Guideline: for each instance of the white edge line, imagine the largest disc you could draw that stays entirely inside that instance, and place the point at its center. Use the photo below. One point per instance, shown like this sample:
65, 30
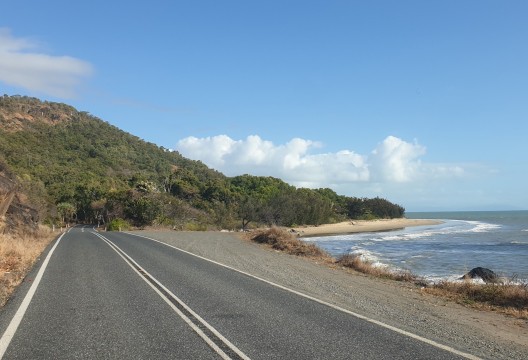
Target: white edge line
17, 319
127, 258
359, 316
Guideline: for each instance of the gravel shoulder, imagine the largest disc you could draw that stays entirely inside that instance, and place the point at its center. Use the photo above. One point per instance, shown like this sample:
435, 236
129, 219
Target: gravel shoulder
485, 334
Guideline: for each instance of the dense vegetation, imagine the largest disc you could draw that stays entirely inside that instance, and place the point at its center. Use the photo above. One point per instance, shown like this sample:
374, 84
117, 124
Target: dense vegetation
74, 167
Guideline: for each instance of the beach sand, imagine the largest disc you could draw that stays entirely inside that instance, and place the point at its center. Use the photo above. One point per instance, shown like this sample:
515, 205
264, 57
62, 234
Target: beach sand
357, 226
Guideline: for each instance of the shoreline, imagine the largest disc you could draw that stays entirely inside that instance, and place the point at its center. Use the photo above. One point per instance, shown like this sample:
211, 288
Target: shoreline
361, 226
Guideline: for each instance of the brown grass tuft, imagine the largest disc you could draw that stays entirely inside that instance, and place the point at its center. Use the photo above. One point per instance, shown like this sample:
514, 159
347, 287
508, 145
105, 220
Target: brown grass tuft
355, 262
18, 253
508, 298
282, 240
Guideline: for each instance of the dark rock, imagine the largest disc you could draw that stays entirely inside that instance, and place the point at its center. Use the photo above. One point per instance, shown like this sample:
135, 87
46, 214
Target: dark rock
486, 275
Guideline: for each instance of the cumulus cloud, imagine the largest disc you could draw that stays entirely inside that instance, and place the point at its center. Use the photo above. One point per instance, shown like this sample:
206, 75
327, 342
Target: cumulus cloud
395, 160
300, 162
22, 65
292, 161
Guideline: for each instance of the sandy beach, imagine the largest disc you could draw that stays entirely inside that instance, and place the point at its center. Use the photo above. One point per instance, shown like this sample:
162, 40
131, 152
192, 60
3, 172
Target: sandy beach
356, 226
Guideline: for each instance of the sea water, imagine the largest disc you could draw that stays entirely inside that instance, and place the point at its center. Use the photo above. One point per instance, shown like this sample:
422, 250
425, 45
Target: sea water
497, 240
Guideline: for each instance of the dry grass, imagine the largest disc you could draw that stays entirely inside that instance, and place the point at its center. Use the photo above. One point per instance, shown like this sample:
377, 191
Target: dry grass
355, 262
282, 240
508, 298
18, 253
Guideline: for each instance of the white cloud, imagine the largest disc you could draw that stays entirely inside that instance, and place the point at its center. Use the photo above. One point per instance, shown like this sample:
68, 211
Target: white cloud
261, 157
21, 65
394, 161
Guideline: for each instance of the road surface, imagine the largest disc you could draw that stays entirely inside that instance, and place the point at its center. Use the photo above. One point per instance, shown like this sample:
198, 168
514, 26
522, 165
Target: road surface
115, 295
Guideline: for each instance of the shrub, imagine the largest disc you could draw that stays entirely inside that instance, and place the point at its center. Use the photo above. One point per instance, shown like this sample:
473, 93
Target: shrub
118, 225
193, 226
282, 240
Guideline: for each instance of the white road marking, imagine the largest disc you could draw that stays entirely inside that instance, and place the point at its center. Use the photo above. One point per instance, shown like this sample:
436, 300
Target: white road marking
209, 342
15, 321
359, 316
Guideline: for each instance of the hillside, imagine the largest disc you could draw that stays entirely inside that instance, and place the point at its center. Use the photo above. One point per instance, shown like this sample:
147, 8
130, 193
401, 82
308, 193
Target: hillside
73, 167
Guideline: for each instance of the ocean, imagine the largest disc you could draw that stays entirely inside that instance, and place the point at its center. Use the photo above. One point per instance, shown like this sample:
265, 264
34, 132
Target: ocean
497, 240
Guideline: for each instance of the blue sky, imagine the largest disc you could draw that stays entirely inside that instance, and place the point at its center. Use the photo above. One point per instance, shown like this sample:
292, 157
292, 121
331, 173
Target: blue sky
424, 103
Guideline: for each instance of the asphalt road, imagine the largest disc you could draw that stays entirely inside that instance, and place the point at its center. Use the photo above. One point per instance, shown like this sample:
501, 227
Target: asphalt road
118, 296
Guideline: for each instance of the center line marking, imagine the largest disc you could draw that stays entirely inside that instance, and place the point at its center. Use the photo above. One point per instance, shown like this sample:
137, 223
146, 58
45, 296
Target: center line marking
199, 325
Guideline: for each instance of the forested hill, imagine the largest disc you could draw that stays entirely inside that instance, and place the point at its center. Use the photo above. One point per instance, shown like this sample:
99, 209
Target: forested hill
71, 166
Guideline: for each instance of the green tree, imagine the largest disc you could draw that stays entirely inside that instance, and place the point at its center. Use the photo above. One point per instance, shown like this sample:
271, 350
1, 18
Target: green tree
143, 209
248, 210
67, 212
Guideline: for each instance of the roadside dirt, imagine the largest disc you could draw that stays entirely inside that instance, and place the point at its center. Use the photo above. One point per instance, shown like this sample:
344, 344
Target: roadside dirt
485, 334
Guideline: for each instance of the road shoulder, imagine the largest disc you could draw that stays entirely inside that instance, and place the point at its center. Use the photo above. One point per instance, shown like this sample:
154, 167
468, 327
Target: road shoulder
486, 334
